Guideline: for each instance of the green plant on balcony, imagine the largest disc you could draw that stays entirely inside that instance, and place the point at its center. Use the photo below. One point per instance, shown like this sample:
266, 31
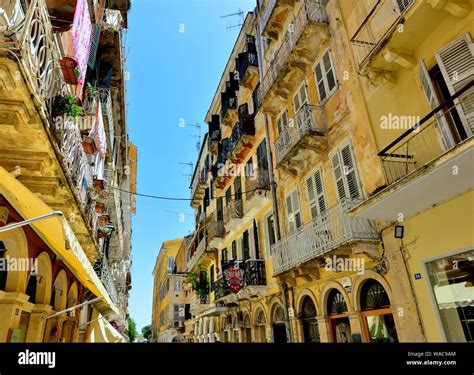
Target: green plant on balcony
66, 105
198, 286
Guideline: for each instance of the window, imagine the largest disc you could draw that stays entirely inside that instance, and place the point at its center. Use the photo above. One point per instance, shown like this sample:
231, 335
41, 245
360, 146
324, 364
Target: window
178, 285
256, 240
228, 196
179, 311
282, 121
316, 196
262, 160
220, 212
238, 188
345, 172
325, 76
245, 245
224, 256
301, 98
452, 280
170, 264
211, 275
293, 209
271, 231
234, 250
249, 172
255, 98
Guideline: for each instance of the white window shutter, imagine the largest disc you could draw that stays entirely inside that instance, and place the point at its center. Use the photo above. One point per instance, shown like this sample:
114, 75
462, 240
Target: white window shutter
338, 175
296, 208
456, 62
312, 201
320, 82
352, 182
320, 193
330, 71
289, 211
316, 194
446, 138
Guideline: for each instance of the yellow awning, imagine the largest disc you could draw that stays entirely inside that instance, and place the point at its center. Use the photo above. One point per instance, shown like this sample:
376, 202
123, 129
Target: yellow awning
101, 330
55, 232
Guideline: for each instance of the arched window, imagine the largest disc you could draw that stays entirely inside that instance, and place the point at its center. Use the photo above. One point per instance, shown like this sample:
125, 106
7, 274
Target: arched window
260, 321
278, 314
336, 303
373, 296
308, 319
308, 309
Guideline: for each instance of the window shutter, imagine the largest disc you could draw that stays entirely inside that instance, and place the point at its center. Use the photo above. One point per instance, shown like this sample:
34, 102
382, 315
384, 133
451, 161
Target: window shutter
320, 82
446, 138
338, 176
318, 181
289, 210
330, 73
296, 208
296, 102
313, 206
350, 172
456, 62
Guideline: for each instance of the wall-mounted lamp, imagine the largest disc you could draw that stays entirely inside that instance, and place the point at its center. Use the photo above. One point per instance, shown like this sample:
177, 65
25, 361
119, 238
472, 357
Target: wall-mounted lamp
399, 231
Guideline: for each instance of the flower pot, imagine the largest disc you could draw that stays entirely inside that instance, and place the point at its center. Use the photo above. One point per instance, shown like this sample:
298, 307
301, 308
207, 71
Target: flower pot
88, 144
99, 207
98, 185
69, 67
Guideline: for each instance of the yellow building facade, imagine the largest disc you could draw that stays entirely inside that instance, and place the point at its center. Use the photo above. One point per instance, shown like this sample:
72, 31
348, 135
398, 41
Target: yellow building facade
366, 112
62, 109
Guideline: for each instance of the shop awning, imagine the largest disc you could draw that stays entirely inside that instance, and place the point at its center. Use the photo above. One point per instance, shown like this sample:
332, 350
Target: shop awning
454, 295
101, 330
55, 232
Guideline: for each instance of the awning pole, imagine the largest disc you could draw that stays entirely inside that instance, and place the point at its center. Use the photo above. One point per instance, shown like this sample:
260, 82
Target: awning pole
73, 308
30, 221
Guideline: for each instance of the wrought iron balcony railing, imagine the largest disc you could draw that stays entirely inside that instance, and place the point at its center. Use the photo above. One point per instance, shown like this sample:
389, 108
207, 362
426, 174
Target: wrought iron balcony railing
200, 249
244, 61
308, 120
233, 210
215, 227
378, 27
426, 141
253, 275
310, 12
228, 102
30, 37
254, 185
324, 233
103, 270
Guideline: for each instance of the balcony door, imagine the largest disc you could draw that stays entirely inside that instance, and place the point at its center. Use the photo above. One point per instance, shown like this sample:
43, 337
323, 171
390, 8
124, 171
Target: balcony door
299, 101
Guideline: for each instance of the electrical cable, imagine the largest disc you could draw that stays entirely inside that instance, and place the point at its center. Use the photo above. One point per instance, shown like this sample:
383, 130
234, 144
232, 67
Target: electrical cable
184, 199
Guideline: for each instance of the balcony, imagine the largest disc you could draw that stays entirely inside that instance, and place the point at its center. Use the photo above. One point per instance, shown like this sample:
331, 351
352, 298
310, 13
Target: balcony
275, 12
247, 66
253, 283
295, 56
198, 254
258, 192
198, 186
228, 106
215, 231
233, 214
241, 139
206, 308
419, 162
327, 232
213, 140
298, 146
103, 270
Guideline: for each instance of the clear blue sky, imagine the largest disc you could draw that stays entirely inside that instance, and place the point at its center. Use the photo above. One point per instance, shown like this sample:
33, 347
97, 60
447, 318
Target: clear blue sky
173, 75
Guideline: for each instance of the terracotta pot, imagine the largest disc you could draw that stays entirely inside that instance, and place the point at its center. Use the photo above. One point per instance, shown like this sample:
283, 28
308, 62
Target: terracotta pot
88, 144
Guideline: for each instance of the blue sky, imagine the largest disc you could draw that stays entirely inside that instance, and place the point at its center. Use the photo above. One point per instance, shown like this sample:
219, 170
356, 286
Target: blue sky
173, 75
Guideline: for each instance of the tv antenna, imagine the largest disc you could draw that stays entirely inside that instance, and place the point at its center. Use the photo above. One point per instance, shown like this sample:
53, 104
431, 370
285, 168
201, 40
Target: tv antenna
198, 136
190, 165
239, 14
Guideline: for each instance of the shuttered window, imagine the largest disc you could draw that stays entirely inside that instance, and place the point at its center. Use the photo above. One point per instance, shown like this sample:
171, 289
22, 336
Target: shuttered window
325, 76
345, 173
282, 121
301, 98
316, 194
456, 62
293, 210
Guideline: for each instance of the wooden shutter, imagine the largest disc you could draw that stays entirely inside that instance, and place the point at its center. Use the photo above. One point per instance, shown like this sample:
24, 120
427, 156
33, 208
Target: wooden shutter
294, 210
289, 211
345, 173
316, 194
456, 62
330, 72
325, 76
445, 136
300, 98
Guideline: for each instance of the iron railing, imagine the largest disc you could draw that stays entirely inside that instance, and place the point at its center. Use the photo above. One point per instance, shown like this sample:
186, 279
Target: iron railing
221, 288
267, 14
104, 272
199, 180
200, 249
233, 210
323, 234
246, 60
254, 185
215, 227
228, 101
310, 12
426, 140
308, 120
378, 26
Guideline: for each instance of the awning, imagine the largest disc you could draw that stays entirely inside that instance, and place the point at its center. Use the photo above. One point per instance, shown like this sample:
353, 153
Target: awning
101, 330
454, 295
55, 232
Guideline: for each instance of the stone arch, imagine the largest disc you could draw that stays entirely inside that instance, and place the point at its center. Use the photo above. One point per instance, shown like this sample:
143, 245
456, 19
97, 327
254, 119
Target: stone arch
326, 289
16, 243
277, 313
255, 310
45, 279
301, 297
359, 283
275, 301
58, 293
246, 321
260, 317
72, 296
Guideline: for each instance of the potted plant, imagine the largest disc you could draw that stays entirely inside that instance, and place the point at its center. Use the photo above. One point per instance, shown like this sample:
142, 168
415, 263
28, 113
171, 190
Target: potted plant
88, 144
66, 105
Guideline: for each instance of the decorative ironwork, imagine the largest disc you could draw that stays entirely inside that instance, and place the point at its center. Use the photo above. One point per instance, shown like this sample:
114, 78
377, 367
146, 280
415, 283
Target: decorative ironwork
373, 296
336, 303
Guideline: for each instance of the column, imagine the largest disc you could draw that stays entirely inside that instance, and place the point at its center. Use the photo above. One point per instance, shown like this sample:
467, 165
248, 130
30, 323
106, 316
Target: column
69, 327
356, 327
37, 324
11, 306
298, 335
324, 326
269, 333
